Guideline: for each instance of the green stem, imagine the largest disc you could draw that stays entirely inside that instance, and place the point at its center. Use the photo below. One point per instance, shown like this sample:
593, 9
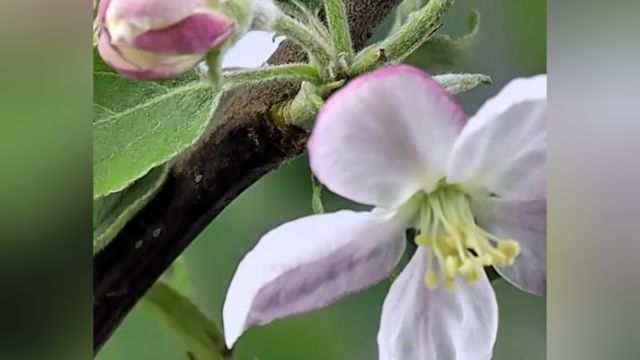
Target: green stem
339, 27
318, 50
418, 29
214, 62
301, 111
280, 73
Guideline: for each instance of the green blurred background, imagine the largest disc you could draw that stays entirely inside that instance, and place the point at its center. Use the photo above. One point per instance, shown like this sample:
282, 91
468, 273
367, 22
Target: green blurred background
511, 42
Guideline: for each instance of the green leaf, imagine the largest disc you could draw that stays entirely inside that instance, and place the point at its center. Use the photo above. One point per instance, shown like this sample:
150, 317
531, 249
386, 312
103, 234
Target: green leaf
403, 11
399, 45
293, 7
139, 125
112, 212
395, 20
336, 16
458, 83
195, 333
442, 52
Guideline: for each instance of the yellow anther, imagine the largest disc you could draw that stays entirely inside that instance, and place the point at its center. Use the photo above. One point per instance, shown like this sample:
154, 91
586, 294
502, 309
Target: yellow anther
471, 270
449, 242
510, 249
443, 243
462, 249
431, 280
486, 260
451, 265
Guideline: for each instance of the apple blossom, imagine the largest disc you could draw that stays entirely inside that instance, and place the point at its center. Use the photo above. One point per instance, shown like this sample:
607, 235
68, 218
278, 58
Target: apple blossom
475, 191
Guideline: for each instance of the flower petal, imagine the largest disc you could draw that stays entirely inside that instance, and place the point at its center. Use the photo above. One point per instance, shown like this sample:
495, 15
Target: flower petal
525, 222
196, 34
384, 136
310, 263
103, 5
162, 69
422, 324
151, 14
503, 148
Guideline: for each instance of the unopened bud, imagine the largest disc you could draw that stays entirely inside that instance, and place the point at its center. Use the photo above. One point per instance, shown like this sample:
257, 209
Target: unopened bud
161, 39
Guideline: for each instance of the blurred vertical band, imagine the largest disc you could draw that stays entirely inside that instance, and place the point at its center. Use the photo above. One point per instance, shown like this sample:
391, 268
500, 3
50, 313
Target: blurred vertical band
45, 186
594, 167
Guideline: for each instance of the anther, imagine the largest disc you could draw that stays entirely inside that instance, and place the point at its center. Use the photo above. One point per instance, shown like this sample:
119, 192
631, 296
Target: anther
471, 270
431, 279
451, 265
510, 249
486, 260
461, 248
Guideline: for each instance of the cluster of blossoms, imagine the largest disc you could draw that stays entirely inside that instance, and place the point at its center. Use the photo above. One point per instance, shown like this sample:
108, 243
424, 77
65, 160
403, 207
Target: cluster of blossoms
161, 39
474, 189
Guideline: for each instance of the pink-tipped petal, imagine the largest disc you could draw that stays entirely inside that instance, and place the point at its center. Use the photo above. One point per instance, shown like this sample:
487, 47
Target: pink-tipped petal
525, 222
422, 324
159, 72
503, 148
310, 263
196, 34
384, 136
102, 11
149, 14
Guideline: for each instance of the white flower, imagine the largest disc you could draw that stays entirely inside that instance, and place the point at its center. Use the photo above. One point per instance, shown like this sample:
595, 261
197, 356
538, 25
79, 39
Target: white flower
475, 191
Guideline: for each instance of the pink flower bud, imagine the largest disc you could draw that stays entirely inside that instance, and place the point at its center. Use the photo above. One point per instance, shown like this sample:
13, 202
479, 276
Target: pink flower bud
159, 39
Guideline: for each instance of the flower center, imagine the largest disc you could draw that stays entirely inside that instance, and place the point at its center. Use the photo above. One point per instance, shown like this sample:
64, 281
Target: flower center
460, 246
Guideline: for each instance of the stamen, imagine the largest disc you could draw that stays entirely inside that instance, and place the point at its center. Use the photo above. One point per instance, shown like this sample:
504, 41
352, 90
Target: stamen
510, 249
451, 267
447, 225
431, 279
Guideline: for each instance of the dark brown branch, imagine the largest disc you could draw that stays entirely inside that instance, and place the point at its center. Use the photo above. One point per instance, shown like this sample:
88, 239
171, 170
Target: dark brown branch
233, 156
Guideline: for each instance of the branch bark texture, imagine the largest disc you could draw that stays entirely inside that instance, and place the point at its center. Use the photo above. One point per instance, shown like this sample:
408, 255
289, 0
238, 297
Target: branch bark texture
233, 155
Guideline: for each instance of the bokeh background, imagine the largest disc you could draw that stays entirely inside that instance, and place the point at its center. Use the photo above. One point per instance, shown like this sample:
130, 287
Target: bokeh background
511, 42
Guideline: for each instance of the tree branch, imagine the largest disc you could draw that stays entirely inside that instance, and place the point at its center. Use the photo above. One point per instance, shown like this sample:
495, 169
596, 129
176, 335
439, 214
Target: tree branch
245, 146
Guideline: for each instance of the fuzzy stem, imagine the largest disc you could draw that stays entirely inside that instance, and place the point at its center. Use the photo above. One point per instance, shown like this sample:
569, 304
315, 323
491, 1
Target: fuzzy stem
418, 29
338, 26
279, 73
301, 111
318, 50
214, 62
